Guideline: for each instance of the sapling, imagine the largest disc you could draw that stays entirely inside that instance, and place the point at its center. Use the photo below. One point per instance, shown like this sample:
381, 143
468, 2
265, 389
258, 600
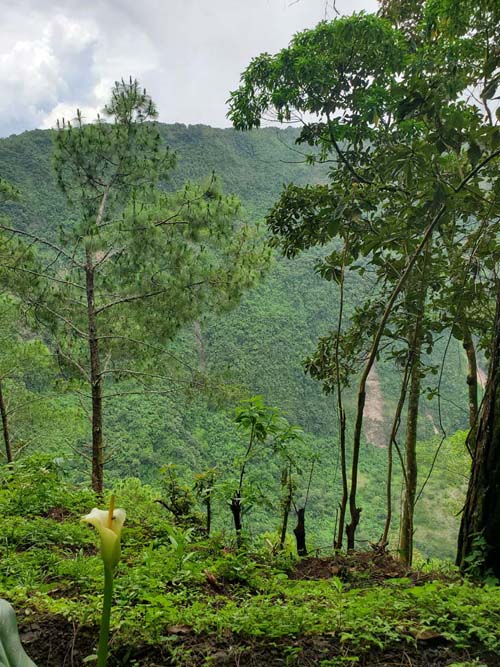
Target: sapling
289, 446
204, 488
179, 499
259, 421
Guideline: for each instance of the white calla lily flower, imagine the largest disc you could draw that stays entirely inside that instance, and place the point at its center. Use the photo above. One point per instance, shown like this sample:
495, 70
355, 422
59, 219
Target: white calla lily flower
109, 524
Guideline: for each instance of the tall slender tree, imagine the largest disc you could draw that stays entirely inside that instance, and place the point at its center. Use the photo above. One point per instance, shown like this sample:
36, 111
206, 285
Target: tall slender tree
134, 262
384, 104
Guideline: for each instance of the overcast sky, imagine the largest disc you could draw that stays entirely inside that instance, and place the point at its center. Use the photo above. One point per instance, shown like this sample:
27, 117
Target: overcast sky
57, 56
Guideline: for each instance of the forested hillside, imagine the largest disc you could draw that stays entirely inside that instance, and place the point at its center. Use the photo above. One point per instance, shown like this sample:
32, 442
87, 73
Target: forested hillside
265, 339
257, 348
268, 359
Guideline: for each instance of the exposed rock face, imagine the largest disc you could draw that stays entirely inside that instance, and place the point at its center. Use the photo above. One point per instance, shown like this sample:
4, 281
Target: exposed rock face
375, 427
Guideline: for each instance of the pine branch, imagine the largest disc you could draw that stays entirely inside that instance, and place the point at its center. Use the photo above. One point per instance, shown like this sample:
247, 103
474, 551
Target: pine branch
38, 239
69, 283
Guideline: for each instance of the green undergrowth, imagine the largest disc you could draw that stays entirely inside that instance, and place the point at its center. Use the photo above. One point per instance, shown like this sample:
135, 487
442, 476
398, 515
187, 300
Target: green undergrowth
171, 580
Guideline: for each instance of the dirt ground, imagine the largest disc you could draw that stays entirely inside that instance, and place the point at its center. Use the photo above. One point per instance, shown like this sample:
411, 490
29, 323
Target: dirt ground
362, 568
55, 642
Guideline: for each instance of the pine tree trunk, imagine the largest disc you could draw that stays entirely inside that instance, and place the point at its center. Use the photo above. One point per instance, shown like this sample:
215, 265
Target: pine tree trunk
5, 427
95, 382
470, 351
481, 515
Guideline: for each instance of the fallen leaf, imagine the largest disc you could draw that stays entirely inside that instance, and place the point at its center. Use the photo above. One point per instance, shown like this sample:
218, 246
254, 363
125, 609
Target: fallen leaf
179, 629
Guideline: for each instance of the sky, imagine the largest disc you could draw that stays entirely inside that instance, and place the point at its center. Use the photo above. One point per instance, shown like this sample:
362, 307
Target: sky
56, 57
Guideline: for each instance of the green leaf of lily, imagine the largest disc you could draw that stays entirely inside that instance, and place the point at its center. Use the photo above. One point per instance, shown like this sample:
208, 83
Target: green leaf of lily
11, 651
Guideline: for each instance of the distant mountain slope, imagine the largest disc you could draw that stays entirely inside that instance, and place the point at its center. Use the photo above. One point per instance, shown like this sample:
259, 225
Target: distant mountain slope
257, 348
260, 344
253, 165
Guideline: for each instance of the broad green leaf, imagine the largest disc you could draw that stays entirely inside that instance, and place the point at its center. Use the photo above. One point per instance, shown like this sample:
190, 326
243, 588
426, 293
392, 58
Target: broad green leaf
333, 227
474, 153
11, 651
495, 138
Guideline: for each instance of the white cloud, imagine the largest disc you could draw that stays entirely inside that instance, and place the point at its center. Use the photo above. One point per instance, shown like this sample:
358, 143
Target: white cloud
36, 74
68, 113
57, 56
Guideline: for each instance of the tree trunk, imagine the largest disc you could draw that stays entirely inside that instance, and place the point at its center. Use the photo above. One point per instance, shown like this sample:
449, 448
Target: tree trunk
481, 515
200, 345
300, 532
236, 499
384, 540
236, 512
5, 427
95, 381
470, 351
407, 530
208, 505
354, 510
338, 540
415, 377
287, 504
345, 490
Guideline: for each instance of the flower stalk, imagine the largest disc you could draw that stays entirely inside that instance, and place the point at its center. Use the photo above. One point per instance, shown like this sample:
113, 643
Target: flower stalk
102, 652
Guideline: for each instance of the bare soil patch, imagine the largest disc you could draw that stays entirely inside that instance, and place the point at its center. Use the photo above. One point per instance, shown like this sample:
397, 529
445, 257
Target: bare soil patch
369, 568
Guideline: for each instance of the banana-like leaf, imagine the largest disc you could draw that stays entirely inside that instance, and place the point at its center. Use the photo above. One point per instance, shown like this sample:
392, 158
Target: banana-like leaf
11, 651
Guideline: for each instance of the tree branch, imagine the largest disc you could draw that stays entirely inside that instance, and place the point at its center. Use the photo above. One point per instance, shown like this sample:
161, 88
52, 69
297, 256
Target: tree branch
44, 275
132, 372
148, 345
129, 299
38, 304
38, 239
